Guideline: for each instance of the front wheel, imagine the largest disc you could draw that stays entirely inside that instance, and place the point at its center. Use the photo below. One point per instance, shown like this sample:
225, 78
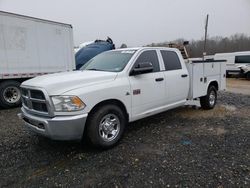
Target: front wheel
106, 125
209, 101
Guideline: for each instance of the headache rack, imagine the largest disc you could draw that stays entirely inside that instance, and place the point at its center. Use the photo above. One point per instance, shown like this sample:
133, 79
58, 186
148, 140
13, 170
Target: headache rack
182, 48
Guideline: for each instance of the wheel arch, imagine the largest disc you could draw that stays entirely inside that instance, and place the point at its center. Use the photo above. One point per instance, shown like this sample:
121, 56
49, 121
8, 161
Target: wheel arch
103, 103
205, 100
111, 101
213, 83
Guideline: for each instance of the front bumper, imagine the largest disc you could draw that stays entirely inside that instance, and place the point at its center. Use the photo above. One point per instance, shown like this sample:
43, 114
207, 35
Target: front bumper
56, 128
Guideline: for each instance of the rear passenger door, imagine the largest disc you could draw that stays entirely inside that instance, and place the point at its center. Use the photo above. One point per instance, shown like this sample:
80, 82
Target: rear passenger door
147, 89
176, 76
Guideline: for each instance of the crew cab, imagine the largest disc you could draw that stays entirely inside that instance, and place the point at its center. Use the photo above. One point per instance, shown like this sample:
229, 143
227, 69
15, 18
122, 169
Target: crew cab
114, 88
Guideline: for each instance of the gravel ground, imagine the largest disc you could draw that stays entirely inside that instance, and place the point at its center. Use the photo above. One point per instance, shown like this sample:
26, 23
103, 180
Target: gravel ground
238, 85
185, 147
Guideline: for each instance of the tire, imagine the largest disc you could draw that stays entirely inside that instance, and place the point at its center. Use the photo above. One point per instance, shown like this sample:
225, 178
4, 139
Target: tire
209, 101
10, 94
113, 129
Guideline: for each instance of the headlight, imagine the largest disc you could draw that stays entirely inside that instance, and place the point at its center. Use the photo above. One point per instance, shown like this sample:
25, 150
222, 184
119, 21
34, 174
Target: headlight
67, 103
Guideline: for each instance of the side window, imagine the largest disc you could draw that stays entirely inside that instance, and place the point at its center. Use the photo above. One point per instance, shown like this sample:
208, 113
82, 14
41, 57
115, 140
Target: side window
242, 59
149, 56
171, 60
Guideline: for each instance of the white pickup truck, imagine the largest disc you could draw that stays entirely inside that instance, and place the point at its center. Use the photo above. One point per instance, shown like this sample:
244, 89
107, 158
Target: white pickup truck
114, 88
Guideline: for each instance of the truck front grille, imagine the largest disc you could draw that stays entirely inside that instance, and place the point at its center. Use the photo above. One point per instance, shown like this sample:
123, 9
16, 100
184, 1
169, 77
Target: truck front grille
39, 106
35, 94
35, 101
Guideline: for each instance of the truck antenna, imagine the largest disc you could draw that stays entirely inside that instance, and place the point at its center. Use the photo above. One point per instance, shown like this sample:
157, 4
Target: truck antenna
205, 42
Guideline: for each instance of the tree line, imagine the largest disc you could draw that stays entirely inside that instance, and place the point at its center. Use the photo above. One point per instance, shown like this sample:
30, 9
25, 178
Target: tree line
218, 44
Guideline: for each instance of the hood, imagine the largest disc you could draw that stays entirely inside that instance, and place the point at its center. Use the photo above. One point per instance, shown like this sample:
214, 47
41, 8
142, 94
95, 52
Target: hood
59, 83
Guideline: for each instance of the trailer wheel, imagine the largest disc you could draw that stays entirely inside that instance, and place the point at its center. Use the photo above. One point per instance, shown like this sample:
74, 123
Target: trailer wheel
106, 126
209, 101
10, 94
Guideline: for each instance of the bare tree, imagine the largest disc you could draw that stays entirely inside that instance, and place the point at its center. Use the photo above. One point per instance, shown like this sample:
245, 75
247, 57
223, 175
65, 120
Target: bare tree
217, 44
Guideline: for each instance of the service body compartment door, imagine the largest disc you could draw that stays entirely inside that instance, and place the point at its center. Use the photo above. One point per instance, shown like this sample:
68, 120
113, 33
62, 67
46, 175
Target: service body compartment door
198, 84
211, 69
223, 75
215, 71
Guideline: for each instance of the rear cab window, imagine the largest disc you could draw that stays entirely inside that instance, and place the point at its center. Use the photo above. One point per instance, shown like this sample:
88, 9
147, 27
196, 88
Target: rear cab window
171, 60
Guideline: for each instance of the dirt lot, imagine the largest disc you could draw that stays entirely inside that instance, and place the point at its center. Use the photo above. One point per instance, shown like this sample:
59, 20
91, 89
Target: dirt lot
238, 85
185, 147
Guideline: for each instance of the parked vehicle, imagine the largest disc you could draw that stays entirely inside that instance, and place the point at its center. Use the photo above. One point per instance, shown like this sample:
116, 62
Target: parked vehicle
234, 61
245, 70
84, 44
89, 51
31, 47
114, 88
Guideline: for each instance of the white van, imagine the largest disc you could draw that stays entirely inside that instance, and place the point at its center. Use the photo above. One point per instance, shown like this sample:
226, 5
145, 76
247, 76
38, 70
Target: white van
234, 60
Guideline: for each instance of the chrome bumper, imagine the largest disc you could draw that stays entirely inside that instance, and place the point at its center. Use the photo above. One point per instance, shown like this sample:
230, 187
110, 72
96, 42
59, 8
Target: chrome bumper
56, 128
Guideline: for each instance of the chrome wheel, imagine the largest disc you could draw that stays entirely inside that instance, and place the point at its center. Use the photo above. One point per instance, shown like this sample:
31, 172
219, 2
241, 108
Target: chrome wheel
109, 127
212, 98
11, 94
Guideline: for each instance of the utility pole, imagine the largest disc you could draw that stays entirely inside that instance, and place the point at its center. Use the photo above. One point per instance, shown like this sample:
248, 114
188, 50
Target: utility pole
205, 42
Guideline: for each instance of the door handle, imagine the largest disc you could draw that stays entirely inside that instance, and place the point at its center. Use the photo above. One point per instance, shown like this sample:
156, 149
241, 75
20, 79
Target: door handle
159, 79
184, 75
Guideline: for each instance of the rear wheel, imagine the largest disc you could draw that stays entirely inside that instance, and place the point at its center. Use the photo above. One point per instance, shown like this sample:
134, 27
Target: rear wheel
209, 101
10, 94
105, 126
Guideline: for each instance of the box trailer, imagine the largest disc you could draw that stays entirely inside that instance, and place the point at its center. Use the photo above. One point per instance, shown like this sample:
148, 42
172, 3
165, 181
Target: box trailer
31, 47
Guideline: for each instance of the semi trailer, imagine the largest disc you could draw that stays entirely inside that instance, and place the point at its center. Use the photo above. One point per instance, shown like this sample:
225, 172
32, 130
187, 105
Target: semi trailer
31, 47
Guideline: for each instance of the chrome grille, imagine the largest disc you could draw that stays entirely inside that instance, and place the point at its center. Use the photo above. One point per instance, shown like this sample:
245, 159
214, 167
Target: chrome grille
35, 101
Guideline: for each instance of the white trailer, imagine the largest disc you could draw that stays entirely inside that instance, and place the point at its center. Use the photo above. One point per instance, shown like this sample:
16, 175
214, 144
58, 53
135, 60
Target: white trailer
30, 47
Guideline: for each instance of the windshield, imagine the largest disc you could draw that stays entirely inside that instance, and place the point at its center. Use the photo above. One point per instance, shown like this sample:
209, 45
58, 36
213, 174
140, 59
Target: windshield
111, 61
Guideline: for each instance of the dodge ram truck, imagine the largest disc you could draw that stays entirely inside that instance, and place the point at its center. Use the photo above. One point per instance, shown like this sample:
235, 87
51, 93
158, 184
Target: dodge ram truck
114, 88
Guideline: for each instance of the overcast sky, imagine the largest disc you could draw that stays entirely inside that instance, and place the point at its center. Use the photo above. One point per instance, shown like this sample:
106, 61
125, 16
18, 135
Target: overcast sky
139, 22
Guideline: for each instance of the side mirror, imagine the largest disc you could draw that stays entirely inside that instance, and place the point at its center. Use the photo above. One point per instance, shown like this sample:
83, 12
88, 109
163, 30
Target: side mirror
143, 67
